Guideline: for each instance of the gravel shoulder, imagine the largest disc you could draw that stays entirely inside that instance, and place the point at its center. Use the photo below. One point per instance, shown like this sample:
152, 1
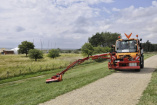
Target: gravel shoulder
120, 88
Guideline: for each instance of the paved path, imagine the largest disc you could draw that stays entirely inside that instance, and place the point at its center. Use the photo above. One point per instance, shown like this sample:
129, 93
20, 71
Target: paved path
120, 88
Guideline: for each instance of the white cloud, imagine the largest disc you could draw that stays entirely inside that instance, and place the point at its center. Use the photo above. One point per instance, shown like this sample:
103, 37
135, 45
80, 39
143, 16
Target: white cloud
154, 3
139, 20
70, 2
115, 9
35, 19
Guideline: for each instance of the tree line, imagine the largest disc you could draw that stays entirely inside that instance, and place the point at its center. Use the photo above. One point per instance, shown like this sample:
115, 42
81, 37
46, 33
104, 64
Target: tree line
149, 47
28, 48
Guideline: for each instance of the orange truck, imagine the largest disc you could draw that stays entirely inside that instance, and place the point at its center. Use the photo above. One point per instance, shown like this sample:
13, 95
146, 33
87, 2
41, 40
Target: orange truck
127, 54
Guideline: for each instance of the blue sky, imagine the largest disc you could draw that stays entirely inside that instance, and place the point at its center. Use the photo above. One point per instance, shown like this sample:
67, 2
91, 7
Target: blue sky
69, 23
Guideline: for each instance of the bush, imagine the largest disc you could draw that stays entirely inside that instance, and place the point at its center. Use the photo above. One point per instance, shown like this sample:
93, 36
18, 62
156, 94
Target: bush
99, 50
53, 53
76, 51
87, 49
35, 54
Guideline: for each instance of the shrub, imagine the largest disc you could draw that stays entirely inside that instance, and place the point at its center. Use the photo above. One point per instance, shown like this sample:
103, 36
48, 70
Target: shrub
87, 49
100, 50
53, 53
35, 54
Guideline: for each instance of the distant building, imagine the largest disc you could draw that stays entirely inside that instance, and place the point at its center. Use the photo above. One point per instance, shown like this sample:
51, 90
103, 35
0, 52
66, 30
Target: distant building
15, 50
8, 52
5, 51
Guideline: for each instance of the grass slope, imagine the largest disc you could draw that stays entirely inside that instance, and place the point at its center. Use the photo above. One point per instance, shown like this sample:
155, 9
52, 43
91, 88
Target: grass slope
150, 94
34, 91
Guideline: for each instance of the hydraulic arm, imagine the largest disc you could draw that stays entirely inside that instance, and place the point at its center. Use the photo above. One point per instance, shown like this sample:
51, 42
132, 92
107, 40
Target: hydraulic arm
58, 76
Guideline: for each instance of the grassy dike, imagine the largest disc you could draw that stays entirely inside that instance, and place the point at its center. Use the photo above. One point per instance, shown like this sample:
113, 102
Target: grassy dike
35, 90
149, 96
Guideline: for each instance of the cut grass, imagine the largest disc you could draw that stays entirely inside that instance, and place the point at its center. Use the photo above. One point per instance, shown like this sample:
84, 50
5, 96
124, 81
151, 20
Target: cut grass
34, 91
150, 94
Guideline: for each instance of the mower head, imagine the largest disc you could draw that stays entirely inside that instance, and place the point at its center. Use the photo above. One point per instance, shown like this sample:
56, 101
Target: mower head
55, 78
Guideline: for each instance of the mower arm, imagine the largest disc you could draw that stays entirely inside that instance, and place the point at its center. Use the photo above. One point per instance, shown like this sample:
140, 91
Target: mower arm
58, 76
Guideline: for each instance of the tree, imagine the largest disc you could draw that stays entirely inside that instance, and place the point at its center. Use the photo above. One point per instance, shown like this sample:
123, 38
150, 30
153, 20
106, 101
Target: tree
103, 39
87, 49
25, 46
53, 53
35, 54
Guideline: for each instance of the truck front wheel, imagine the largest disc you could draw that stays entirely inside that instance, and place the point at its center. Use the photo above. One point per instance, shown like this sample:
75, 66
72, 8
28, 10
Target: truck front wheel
142, 62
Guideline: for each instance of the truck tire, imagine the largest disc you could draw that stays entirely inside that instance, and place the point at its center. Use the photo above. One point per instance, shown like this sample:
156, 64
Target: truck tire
138, 70
142, 62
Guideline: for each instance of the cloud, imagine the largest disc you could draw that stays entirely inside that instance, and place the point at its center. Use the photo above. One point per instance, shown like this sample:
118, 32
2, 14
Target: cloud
154, 3
35, 19
70, 2
139, 20
19, 29
115, 9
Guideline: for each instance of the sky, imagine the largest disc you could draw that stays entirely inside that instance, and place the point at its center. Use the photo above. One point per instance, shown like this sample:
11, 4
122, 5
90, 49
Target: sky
69, 23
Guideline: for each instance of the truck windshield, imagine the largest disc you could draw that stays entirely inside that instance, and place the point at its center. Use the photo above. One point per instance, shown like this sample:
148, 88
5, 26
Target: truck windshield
126, 46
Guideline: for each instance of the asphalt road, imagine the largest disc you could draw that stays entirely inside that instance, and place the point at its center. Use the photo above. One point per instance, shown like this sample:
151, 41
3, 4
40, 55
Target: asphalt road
120, 88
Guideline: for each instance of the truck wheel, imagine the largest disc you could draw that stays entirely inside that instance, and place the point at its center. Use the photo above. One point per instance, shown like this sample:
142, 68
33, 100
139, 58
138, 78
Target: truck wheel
138, 70
142, 62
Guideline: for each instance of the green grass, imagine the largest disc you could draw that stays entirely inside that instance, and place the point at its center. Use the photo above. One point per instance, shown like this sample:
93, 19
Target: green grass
150, 94
147, 55
35, 90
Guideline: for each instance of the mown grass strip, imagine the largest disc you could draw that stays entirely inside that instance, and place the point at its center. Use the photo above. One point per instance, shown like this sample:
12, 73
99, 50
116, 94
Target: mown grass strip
150, 94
